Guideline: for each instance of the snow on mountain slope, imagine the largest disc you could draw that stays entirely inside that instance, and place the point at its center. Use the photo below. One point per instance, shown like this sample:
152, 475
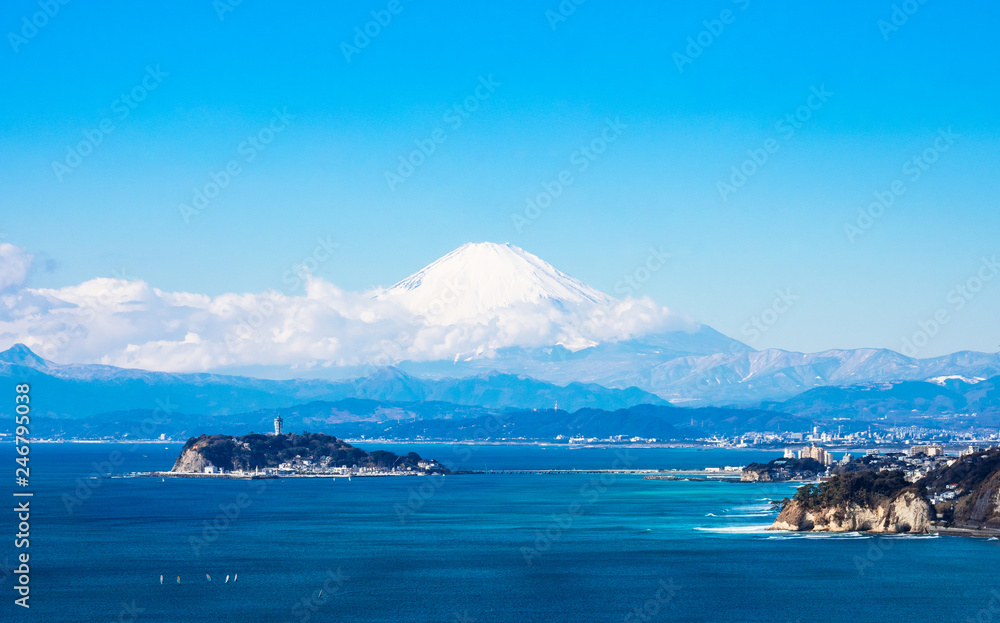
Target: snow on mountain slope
476, 280
508, 297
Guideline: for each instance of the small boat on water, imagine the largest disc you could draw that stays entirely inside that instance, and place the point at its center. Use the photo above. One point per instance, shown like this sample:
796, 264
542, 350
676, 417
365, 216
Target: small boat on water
227, 580
161, 579
178, 579
234, 578
209, 577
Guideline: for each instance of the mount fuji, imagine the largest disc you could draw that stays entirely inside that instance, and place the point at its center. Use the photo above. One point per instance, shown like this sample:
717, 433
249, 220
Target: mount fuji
478, 280
673, 356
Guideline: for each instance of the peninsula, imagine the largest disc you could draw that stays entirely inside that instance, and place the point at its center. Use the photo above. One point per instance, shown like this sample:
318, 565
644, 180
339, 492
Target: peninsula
959, 496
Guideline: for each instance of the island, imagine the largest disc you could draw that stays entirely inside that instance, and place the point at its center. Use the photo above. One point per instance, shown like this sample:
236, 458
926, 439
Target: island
280, 455
958, 496
782, 470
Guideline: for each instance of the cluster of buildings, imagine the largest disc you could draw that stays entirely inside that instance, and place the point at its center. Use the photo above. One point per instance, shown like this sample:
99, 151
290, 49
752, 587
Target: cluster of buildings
612, 439
323, 467
916, 462
892, 437
813, 452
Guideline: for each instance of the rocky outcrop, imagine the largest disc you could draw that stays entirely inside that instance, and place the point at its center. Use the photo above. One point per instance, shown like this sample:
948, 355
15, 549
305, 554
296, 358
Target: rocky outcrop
755, 476
907, 512
191, 458
782, 470
968, 491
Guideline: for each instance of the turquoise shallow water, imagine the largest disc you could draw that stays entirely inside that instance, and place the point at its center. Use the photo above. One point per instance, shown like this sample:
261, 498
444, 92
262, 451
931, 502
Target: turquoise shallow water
466, 548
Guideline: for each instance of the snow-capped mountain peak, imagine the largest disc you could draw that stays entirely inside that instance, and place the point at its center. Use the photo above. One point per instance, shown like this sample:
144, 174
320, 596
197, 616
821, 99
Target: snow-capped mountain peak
476, 280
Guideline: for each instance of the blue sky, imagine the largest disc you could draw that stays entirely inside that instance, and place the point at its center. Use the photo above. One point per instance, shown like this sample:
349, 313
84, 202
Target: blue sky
553, 89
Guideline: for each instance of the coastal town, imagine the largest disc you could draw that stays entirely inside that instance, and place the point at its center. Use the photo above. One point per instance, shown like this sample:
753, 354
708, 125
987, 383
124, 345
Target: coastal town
814, 462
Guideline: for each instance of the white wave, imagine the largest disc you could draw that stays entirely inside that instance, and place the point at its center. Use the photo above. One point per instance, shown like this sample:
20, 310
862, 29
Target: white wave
736, 529
754, 508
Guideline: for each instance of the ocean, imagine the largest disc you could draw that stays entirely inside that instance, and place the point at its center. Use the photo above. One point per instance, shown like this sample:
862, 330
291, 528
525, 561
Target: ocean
462, 548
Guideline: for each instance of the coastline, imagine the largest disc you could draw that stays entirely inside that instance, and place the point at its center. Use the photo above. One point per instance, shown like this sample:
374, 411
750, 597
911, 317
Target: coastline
526, 443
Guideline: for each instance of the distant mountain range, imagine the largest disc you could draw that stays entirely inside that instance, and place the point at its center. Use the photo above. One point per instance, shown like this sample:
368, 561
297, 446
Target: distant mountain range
676, 367
76, 391
93, 401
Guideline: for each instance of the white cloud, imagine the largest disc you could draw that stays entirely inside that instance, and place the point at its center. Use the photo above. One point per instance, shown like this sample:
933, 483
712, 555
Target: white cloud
128, 323
14, 265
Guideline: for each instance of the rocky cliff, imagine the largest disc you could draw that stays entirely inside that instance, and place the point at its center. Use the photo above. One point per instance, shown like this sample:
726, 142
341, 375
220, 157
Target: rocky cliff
191, 459
872, 501
969, 491
907, 512
965, 493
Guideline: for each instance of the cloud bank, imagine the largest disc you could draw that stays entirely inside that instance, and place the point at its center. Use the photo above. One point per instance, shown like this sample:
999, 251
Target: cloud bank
128, 323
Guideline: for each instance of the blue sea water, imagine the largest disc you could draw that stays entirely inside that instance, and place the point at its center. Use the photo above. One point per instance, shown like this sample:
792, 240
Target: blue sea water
463, 548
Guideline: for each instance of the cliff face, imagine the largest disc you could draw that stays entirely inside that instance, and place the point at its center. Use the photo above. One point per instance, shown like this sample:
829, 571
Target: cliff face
756, 476
191, 458
981, 507
907, 512
974, 484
